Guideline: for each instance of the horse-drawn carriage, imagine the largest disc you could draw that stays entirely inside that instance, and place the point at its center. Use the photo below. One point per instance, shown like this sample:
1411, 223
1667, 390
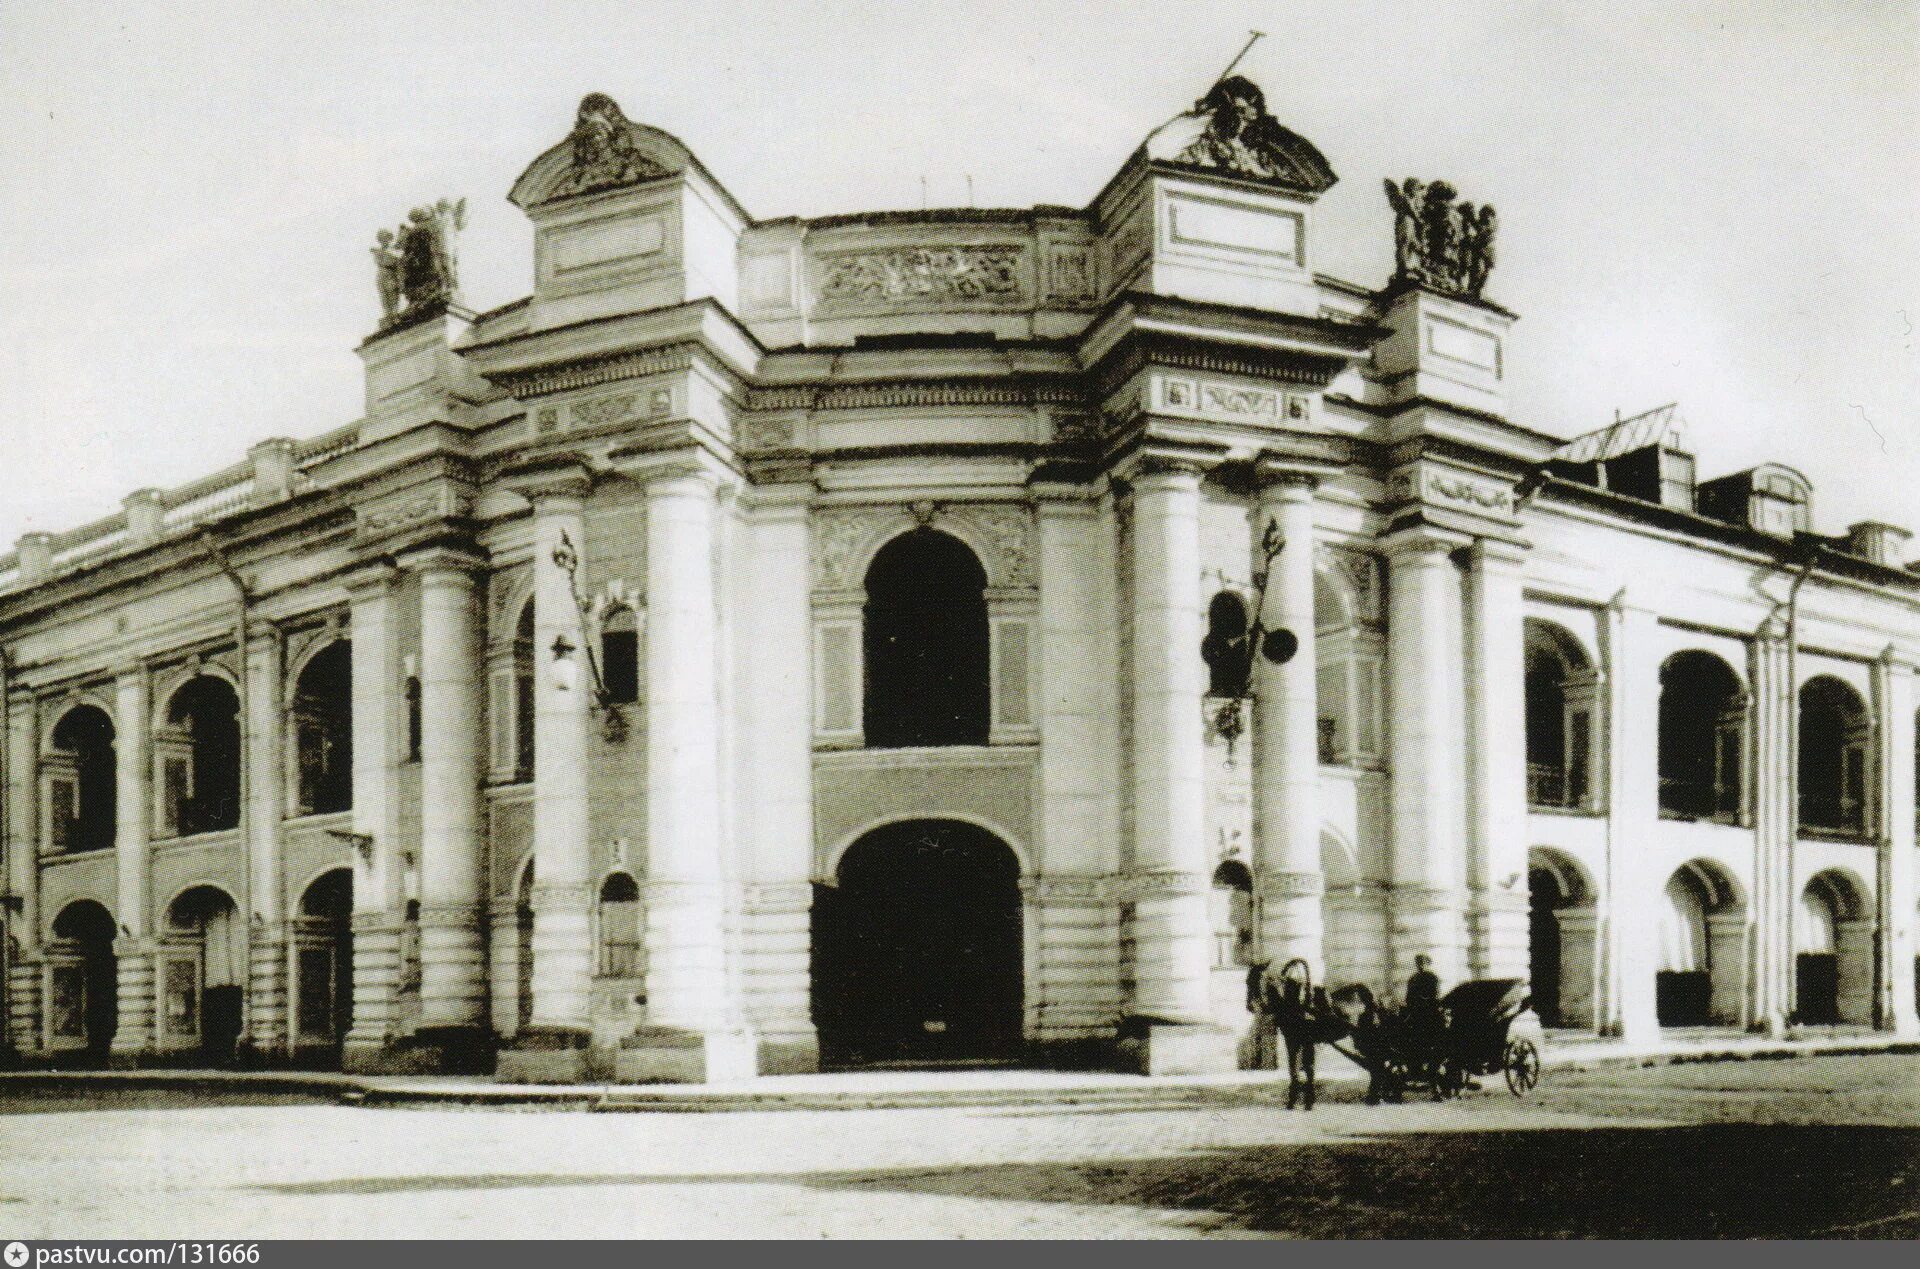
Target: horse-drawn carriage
1483, 1027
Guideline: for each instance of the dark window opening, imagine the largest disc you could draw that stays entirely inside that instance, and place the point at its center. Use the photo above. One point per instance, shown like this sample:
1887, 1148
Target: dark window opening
1225, 649
1833, 758
523, 694
1559, 719
84, 783
1702, 738
926, 644
323, 731
620, 941
413, 719
201, 757
620, 656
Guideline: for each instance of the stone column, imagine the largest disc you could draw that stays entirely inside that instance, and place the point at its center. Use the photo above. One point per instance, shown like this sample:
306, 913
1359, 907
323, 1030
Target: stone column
1894, 888
452, 849
1073, 918
134, 1036
1497, 761
1172, 925
1631, 904
1775, 715
24, 1004
772, 642
269, 1024
562, 936
1286, 738
1429, 771
690, 1011
376, 820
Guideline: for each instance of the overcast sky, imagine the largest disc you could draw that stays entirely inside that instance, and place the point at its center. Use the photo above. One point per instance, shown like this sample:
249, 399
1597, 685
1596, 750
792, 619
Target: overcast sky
1713, 203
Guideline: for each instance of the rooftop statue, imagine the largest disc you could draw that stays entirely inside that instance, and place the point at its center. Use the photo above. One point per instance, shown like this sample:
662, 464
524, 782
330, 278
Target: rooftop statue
1229, 131
415, 265
604, 155
1439, 242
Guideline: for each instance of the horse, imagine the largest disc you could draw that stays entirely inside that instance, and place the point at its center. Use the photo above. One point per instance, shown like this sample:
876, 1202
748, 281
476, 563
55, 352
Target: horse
1305, 1020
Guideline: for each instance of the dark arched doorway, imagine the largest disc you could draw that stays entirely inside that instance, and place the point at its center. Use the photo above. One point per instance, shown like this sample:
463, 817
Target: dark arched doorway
84, 984
917, 948
202, 967
323, 964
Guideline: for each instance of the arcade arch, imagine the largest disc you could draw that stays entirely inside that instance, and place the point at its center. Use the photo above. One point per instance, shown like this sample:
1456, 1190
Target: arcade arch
82, 982
1702, 980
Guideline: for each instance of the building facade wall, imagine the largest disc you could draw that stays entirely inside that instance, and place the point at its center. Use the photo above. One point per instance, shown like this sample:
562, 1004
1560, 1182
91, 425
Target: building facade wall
1127, 416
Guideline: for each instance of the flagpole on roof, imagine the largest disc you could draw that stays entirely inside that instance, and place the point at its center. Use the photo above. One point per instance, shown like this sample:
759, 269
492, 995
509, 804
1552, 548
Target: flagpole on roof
1253, 37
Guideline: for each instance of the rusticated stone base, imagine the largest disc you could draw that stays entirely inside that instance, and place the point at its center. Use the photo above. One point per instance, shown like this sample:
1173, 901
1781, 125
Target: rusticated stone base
657, 1055
788, 1055
429, 1051
546, 1055
1151, 1047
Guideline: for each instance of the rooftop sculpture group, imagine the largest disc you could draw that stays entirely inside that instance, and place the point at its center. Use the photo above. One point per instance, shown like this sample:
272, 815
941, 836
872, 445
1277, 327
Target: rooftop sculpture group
1240, 138
1438, 242
414, 265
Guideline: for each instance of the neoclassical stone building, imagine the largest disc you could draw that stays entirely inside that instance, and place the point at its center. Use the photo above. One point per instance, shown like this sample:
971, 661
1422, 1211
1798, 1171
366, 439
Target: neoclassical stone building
964, 634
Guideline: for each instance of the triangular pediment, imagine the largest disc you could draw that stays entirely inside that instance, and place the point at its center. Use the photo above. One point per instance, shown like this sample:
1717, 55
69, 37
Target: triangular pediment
1229, 133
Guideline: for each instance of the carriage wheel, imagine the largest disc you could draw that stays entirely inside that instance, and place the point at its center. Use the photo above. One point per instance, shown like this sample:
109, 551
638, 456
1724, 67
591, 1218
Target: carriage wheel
1522, 1067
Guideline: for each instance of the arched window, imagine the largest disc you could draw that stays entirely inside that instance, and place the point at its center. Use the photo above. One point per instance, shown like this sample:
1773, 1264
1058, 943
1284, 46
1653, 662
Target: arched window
523, 694
83, 810
1833, 757
1703, 722
1560, 718
1232, 915
323, 731
1225, 650
197, 754
1349, 656
926, 643
620, 927
620, 655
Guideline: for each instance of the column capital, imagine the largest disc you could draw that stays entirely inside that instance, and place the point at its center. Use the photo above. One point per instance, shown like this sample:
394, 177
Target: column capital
1498, 552
1420, 541
371, 579
444, 562
1284, 484
557, 478
656, 469
1162, 471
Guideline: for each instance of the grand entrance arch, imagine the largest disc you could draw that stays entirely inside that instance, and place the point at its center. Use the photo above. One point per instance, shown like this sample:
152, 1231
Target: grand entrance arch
917, 948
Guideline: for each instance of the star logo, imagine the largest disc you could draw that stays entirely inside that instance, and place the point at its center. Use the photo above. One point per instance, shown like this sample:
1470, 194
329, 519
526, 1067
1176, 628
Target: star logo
16, 1255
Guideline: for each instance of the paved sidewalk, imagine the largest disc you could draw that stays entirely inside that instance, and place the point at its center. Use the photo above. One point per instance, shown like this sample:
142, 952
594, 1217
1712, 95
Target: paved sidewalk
869, 1090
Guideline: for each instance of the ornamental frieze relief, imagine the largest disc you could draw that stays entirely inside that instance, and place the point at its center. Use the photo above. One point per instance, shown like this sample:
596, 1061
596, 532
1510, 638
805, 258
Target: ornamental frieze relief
844, 539
1449, 488
397, 514
761, 432
921, 274
1070, 274
1233, 402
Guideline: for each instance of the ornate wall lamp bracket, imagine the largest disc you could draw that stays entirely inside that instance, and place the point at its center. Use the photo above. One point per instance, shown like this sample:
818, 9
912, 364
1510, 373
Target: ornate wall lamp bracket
613, 724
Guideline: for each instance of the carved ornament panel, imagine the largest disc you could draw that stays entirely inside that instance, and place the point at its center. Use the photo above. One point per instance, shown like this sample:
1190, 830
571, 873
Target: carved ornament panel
904, 276
844, 540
